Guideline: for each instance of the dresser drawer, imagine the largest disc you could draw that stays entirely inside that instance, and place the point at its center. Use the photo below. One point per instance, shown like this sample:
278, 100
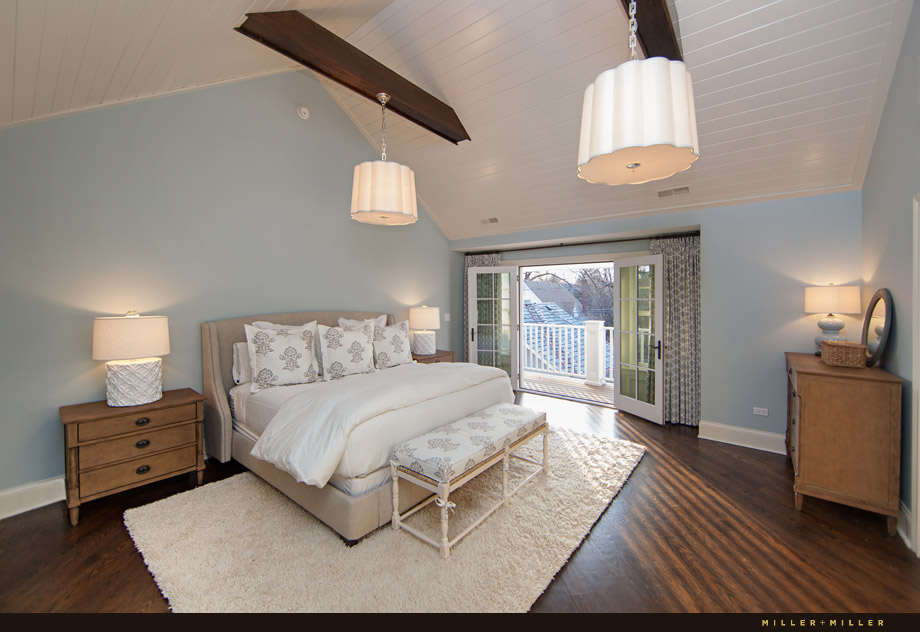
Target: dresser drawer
114, 426
136, 471
135, 446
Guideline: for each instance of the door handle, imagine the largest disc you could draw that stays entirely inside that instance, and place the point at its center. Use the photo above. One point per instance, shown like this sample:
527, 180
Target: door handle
472, 334
658, 349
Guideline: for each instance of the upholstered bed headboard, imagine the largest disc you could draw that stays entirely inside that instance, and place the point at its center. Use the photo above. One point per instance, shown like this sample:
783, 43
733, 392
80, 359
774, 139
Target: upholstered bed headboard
217, 338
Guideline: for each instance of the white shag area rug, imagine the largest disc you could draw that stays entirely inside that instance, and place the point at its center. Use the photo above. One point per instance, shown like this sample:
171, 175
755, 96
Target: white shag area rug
238, 545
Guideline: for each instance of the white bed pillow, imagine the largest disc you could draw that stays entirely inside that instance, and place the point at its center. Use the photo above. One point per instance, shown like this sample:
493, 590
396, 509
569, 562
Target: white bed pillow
346, 351
282, 355
264, 324
378, 321
242, 369
391, 345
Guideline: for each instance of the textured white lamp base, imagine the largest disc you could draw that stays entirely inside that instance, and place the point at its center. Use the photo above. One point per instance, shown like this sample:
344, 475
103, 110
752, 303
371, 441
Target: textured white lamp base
830, 327
133, 382
424, 343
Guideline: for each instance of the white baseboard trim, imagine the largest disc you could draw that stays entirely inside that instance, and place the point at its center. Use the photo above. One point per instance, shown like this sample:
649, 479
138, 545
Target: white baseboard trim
906, 527
25, 498
744, 437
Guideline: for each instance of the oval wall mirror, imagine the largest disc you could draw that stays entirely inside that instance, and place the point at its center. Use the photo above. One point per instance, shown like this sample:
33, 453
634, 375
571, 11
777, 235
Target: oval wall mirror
877, 326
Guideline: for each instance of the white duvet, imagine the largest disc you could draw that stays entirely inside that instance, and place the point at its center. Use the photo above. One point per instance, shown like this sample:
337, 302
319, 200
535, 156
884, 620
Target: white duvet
308, 435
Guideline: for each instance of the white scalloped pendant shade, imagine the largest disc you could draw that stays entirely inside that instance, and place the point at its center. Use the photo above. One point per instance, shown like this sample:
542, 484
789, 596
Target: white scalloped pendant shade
384, 193
639, 113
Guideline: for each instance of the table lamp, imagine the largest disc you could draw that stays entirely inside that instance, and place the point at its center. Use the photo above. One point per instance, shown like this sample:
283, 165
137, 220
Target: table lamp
424, 319
831, 300
131, 345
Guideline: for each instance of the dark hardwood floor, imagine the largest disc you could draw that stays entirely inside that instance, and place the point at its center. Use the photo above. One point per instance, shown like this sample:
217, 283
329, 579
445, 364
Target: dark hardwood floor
700, 526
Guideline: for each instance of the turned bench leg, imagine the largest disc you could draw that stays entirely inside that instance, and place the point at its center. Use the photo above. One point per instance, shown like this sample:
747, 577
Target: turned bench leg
395, 495
506, 463
444, 504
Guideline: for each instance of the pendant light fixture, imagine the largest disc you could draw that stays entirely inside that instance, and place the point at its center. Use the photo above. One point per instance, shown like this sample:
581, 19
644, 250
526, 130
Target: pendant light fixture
384, 192
638, 122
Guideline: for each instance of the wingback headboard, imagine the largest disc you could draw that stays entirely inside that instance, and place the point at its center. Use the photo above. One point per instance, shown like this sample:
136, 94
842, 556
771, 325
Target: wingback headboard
217, 339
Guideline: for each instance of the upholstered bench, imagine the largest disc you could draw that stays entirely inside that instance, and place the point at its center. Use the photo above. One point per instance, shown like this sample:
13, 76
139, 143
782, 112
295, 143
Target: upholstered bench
448, 457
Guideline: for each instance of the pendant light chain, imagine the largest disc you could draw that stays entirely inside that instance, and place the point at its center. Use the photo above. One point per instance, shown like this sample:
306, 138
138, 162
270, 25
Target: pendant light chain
383, 97
633, 26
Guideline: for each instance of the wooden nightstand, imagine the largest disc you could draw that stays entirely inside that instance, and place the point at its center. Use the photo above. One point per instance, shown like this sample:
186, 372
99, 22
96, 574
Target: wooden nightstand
843, 435
438, 356
111, 449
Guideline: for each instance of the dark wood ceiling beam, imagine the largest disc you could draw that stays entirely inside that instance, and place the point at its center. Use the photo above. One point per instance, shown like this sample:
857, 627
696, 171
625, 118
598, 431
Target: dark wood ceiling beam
655, 30
296, 36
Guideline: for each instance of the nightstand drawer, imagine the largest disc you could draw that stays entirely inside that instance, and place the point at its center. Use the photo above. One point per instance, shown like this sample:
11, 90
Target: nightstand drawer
135, 446
136, 471
138, 421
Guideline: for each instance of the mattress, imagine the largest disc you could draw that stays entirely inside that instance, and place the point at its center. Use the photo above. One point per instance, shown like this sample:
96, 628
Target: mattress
365, 463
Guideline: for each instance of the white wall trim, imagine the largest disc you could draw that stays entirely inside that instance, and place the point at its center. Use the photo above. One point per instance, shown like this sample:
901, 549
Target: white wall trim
913, 535
744, 437
906, 526
17, 500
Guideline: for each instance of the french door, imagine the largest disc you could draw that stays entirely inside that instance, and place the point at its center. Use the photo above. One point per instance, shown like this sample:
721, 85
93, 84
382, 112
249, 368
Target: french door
638, 325
493, 318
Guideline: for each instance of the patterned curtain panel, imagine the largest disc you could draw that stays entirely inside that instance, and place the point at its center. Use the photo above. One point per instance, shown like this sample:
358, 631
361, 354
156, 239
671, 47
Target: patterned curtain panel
479, 260
681, 356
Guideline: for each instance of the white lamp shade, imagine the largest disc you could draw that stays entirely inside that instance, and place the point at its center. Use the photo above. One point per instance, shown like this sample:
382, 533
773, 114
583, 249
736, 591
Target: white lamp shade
832, 299
424, 317
130, 337
384, 193
639, 113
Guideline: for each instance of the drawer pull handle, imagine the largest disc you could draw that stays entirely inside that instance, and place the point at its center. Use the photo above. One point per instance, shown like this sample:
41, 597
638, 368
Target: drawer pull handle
143, 443
794, 394
793, 422
143, 421
143, 469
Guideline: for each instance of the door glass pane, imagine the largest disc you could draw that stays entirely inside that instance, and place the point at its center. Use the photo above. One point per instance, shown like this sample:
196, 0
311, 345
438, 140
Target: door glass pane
503, 285
505, 342
644, 279
628, 381
628, 282
645, 386
644, 319
486, 337
628, 315
486, 358
485, 311
504, 362
628, 348
484, 285
645, 353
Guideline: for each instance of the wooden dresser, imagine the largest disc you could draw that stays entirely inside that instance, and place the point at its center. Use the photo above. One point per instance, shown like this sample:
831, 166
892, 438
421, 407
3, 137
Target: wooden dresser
843, 434
437, 356
111, 449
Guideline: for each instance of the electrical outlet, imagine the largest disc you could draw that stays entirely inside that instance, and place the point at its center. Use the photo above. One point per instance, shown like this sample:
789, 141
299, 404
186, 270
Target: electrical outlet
446, 318
763, 412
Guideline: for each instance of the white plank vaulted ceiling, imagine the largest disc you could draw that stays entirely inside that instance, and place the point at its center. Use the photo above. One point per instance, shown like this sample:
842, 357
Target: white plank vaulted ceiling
789, 93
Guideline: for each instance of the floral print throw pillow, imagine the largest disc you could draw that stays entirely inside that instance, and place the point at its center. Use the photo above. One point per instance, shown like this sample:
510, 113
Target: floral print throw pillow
281, 355
346, 351
391, 345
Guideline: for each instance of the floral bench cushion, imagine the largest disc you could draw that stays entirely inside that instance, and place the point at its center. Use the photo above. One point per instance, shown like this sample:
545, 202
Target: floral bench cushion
447, 452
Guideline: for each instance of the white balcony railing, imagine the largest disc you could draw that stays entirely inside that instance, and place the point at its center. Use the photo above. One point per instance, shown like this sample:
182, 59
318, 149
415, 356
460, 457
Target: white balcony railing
576, 351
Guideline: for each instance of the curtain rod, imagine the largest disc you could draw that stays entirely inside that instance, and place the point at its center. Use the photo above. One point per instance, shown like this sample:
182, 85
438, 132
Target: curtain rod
587, 243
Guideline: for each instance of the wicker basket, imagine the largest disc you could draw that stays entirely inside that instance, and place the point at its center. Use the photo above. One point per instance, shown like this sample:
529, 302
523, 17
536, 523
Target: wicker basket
838, 353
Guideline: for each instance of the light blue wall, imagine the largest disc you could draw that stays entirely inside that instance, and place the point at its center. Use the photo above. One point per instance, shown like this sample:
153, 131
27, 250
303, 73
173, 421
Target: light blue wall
211, 204
892, 180
756, 260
